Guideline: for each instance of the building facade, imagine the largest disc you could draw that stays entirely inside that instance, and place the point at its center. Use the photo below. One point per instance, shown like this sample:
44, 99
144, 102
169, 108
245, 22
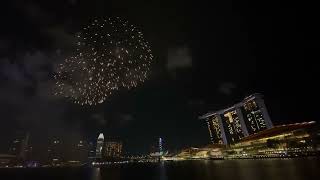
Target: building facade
290, 140
112, 149
92, 150
99, 147
230, 125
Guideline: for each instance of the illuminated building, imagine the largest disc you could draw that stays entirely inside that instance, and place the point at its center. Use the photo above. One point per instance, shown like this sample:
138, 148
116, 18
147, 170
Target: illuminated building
112, 149
55, 154
92, 151
158, 149
99, 146
230, 125
214, 129
255, 114
233, 129
160, 146
291, 140
207, 152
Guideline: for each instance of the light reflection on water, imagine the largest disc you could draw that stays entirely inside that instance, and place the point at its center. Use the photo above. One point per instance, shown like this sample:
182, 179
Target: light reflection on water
268, 169
96, 174
162, 171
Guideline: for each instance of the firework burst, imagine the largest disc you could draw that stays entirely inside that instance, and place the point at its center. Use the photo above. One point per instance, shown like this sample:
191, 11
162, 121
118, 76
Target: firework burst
111, 54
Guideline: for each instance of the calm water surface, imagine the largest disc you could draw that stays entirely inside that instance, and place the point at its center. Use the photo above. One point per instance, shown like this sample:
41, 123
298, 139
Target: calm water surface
269, 169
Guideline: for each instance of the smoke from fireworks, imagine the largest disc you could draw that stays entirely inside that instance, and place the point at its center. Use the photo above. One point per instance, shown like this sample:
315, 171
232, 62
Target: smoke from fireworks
111, 54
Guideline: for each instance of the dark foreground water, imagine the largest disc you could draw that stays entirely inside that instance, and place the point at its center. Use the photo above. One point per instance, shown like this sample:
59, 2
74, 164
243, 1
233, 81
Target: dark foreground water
269, 169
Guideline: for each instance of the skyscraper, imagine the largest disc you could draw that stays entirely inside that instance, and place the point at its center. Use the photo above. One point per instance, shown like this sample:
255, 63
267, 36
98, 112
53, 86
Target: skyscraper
160, 146
92, 150
112, 149
20, 146
99, 146
15, 148
55, 152
230, 125
256, 115
233, 128
213, 123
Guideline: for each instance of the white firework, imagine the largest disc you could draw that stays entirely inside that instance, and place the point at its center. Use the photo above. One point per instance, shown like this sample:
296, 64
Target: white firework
111, 54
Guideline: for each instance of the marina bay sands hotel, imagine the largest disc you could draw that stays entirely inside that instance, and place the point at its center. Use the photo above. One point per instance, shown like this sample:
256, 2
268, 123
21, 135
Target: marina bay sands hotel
230, 125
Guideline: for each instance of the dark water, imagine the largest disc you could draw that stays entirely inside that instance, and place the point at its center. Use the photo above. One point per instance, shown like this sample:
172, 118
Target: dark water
270, 169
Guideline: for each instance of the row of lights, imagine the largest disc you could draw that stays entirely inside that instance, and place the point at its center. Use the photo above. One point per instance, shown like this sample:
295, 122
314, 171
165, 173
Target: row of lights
108, 163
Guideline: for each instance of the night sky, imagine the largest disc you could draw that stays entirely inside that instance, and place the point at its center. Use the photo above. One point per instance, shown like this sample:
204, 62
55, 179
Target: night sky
207, 57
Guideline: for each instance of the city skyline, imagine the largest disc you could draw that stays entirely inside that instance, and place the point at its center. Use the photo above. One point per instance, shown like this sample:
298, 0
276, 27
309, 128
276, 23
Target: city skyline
159, 90
229, 126
204, 60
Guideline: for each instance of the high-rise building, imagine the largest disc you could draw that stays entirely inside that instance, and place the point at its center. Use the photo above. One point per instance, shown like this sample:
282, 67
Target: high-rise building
213, 123
233, 129
55, 151
20, 146
15, 148
92, 150
254, 114
99, 147
228, 126
160, 146
112, 149
81, 151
